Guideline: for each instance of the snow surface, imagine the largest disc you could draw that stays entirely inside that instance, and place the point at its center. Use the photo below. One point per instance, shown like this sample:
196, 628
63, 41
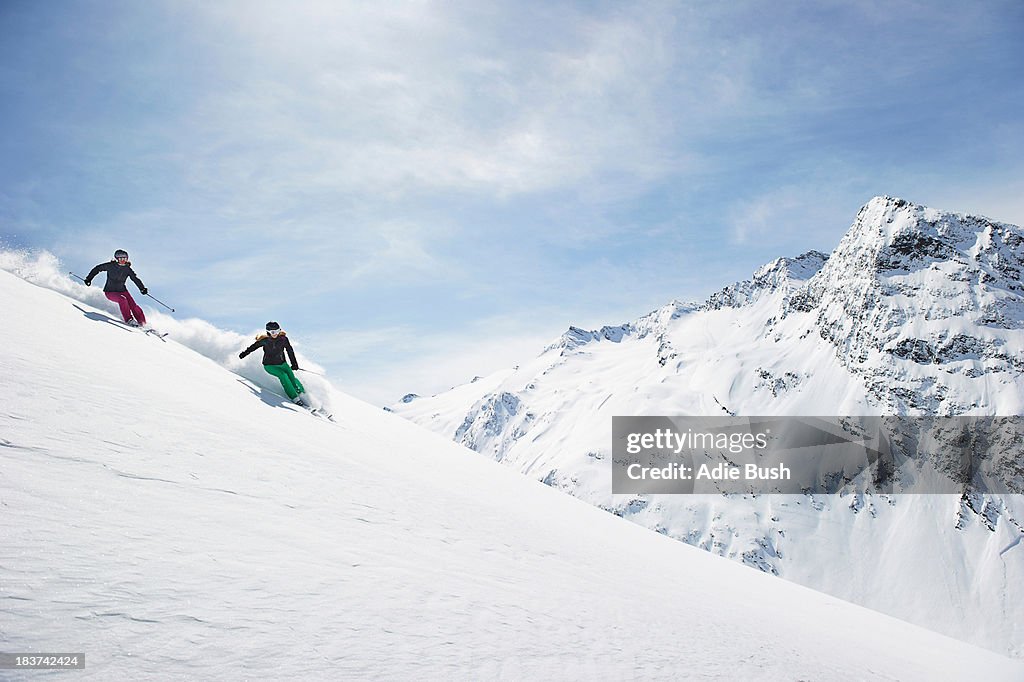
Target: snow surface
811, 335
173, 521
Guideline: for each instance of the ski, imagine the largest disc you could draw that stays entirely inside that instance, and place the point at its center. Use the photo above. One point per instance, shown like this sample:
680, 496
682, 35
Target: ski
319, 412
323, 415
139, 328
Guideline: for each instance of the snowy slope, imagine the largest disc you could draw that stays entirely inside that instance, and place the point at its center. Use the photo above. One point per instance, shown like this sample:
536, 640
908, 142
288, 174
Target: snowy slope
916, 312
171, 521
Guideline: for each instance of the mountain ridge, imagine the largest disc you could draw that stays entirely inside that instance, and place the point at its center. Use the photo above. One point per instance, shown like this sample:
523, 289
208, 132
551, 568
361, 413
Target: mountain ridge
916, 312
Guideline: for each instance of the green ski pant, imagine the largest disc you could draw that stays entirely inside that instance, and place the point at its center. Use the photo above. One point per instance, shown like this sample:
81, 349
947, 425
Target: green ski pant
291, 385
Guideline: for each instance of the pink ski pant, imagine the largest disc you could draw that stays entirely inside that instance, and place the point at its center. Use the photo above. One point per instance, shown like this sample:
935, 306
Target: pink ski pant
129, 307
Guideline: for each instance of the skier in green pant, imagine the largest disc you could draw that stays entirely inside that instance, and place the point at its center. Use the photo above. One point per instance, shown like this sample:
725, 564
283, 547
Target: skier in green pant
275, 344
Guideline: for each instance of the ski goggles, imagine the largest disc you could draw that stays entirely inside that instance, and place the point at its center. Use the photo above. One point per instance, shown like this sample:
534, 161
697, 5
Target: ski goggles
122, 259
273, 332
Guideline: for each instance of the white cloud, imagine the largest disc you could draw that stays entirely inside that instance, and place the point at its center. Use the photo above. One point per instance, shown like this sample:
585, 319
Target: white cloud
339, 97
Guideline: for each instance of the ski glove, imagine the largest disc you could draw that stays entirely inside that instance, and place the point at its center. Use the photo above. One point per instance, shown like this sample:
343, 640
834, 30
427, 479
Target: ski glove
295, 367
88, 282
241, 356
143, 291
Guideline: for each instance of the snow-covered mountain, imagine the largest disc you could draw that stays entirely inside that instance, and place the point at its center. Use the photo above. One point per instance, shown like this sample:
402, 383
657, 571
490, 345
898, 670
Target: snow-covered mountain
174, 521
916, 312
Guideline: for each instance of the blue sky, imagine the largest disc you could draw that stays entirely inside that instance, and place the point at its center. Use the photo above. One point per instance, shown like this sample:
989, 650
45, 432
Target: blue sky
424, 191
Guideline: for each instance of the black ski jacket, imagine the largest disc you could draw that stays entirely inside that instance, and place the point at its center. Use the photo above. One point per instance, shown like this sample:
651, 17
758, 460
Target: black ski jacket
116, 276
273, 349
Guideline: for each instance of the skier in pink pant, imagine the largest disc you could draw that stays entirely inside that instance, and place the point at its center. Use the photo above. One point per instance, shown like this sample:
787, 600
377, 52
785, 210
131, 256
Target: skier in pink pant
118, 271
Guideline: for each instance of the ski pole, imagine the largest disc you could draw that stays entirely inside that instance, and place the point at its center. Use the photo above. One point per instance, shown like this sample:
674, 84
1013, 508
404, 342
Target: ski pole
161, 303
309, 371
77, 277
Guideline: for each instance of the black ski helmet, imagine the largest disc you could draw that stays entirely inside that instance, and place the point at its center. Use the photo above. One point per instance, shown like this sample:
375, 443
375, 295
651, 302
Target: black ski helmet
120, 253
273, 326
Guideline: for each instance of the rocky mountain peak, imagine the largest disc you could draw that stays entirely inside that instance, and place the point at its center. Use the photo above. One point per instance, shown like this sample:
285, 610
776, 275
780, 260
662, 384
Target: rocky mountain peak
912, 295
785, 274
892, 236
